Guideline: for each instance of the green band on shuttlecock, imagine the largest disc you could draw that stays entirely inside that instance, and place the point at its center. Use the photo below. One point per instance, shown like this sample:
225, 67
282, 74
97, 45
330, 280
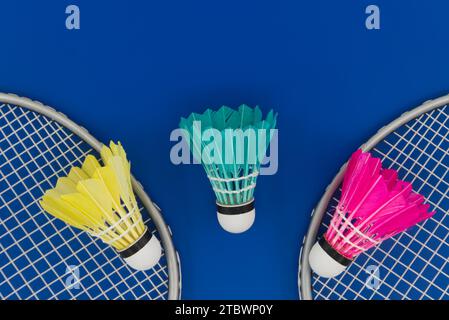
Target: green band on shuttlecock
235, 209
136, 246
334, 254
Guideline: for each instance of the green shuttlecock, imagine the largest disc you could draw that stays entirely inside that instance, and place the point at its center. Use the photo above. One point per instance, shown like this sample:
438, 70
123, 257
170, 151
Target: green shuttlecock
231, 144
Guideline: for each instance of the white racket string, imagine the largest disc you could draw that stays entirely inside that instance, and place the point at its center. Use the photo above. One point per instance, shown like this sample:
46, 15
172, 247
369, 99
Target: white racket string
414, 264
35, 248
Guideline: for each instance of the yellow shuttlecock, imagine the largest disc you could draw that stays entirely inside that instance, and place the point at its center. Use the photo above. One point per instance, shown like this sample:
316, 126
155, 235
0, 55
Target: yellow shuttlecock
100, 200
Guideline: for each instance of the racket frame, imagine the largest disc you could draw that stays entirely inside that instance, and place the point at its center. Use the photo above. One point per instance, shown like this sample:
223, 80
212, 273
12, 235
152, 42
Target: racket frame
172, 256
304, 271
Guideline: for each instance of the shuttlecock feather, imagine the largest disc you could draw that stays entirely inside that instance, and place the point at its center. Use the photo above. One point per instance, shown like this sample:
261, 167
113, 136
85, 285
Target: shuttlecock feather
374, 206
99, 199
231, 166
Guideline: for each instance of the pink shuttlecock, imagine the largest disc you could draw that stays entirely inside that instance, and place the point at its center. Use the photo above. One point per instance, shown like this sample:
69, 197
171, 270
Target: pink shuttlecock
374, 205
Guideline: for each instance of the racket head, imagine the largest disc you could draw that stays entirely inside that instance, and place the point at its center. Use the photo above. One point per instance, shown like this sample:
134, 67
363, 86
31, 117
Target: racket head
413, 264
40, 256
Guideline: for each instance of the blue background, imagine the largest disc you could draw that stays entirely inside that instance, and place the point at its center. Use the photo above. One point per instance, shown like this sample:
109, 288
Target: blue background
135, 67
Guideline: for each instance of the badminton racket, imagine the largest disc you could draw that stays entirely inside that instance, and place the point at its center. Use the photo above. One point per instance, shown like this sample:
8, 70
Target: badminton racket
40, 256
414, 264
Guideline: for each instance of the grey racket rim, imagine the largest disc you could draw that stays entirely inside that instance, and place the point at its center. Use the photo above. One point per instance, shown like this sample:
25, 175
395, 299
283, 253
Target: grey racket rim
172, 256
304, 271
